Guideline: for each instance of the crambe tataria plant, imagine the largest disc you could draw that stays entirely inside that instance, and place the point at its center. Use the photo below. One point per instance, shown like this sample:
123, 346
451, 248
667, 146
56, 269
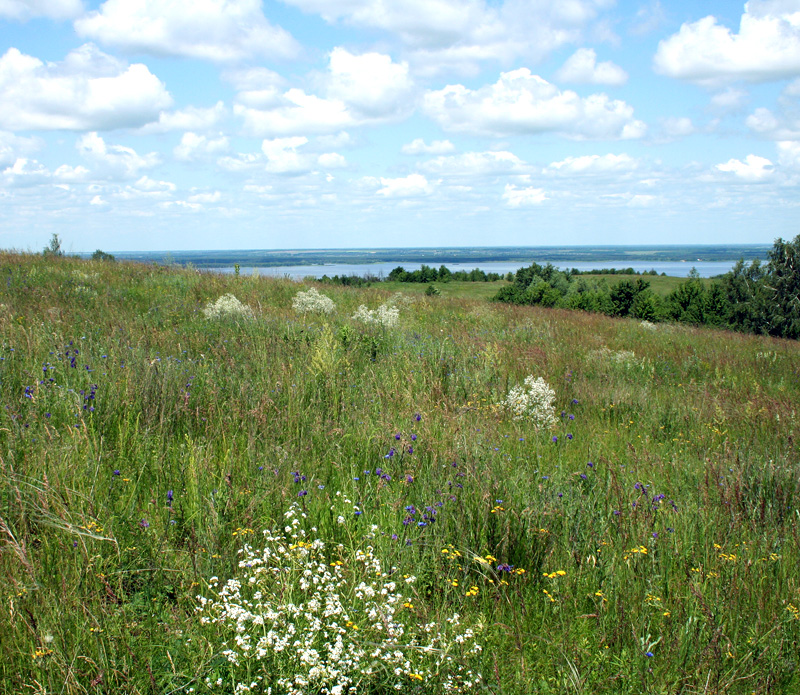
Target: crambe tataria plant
227, 306
311, 301
532, 402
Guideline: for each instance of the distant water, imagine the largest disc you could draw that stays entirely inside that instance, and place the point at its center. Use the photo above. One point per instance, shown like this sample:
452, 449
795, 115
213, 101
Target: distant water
680, 269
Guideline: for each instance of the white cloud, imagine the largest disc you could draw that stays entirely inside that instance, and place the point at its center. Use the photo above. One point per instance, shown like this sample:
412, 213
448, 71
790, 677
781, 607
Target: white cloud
283, 157
257, 88
114, 161
418, 146
593, 164
642, 200
148, 185
648, 19
458, 35
25, 172
677, 127
522, 103
753, 169
357, 90
582, 67
194, 146
52, 9
768, 125
475, 163
331, 160
216, 30
767, 47
411, 186
214, 197
371, 84
729, 101
13, 146
523, 197
89, 90
190, 118
789, 154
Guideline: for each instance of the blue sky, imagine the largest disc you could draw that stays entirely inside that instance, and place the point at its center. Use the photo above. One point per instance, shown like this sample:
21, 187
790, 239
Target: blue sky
215, 124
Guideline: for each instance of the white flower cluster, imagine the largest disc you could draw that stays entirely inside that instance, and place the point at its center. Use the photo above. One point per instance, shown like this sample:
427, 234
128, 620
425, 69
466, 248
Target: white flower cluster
227, 306
533, 401
313, 302
303, 617
385, 315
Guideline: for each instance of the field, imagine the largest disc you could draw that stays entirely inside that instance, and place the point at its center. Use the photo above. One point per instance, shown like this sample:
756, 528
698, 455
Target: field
389, 526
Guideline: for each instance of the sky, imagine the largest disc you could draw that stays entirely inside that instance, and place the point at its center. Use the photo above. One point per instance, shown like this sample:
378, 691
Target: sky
149, 125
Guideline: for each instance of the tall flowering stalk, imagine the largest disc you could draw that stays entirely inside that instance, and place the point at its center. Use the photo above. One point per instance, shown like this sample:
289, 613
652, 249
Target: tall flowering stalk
532, 402
306, 617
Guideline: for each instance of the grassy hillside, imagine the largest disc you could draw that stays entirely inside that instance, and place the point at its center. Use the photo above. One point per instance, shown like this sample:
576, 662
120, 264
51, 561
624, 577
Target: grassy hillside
421, 539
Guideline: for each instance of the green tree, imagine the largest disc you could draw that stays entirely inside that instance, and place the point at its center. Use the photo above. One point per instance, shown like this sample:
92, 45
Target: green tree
102, 256
54, 247
783, 289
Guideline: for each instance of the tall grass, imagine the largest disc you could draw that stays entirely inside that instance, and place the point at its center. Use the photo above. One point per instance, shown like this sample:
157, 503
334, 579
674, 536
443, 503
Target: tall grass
646, 543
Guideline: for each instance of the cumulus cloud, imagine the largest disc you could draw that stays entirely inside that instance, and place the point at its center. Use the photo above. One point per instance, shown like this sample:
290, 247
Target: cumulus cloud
754, 169
356, 90
523, 197
648, 19
25, 172
190, 118
284, 156
730, 100
592, 165
89, 90
582, 67
677, 127
475, 163
194, 146
418, 146
411, 186
458, 35
51, 9
13, 146
216, 30
767, 47
768, 125
256, 87
114, 161
789, 154
523, 103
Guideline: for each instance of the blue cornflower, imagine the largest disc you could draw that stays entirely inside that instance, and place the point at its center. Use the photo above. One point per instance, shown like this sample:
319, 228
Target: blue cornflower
397, 436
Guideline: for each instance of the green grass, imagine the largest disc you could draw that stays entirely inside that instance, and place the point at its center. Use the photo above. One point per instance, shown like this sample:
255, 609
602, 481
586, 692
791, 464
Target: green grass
680, 540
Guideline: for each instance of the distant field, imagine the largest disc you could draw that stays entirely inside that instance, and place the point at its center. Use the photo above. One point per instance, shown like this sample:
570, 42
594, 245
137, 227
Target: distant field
486, 290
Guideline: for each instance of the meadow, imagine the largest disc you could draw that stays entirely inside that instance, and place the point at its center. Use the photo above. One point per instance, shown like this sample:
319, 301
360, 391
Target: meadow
281, 494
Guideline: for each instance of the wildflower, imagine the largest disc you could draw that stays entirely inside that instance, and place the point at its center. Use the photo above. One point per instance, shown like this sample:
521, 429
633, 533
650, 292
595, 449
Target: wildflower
227, 306
313, 302
385, 315
533, 401
144, 524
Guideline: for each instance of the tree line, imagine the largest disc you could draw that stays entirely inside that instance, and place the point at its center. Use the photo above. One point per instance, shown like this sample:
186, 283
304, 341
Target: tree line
757, 297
